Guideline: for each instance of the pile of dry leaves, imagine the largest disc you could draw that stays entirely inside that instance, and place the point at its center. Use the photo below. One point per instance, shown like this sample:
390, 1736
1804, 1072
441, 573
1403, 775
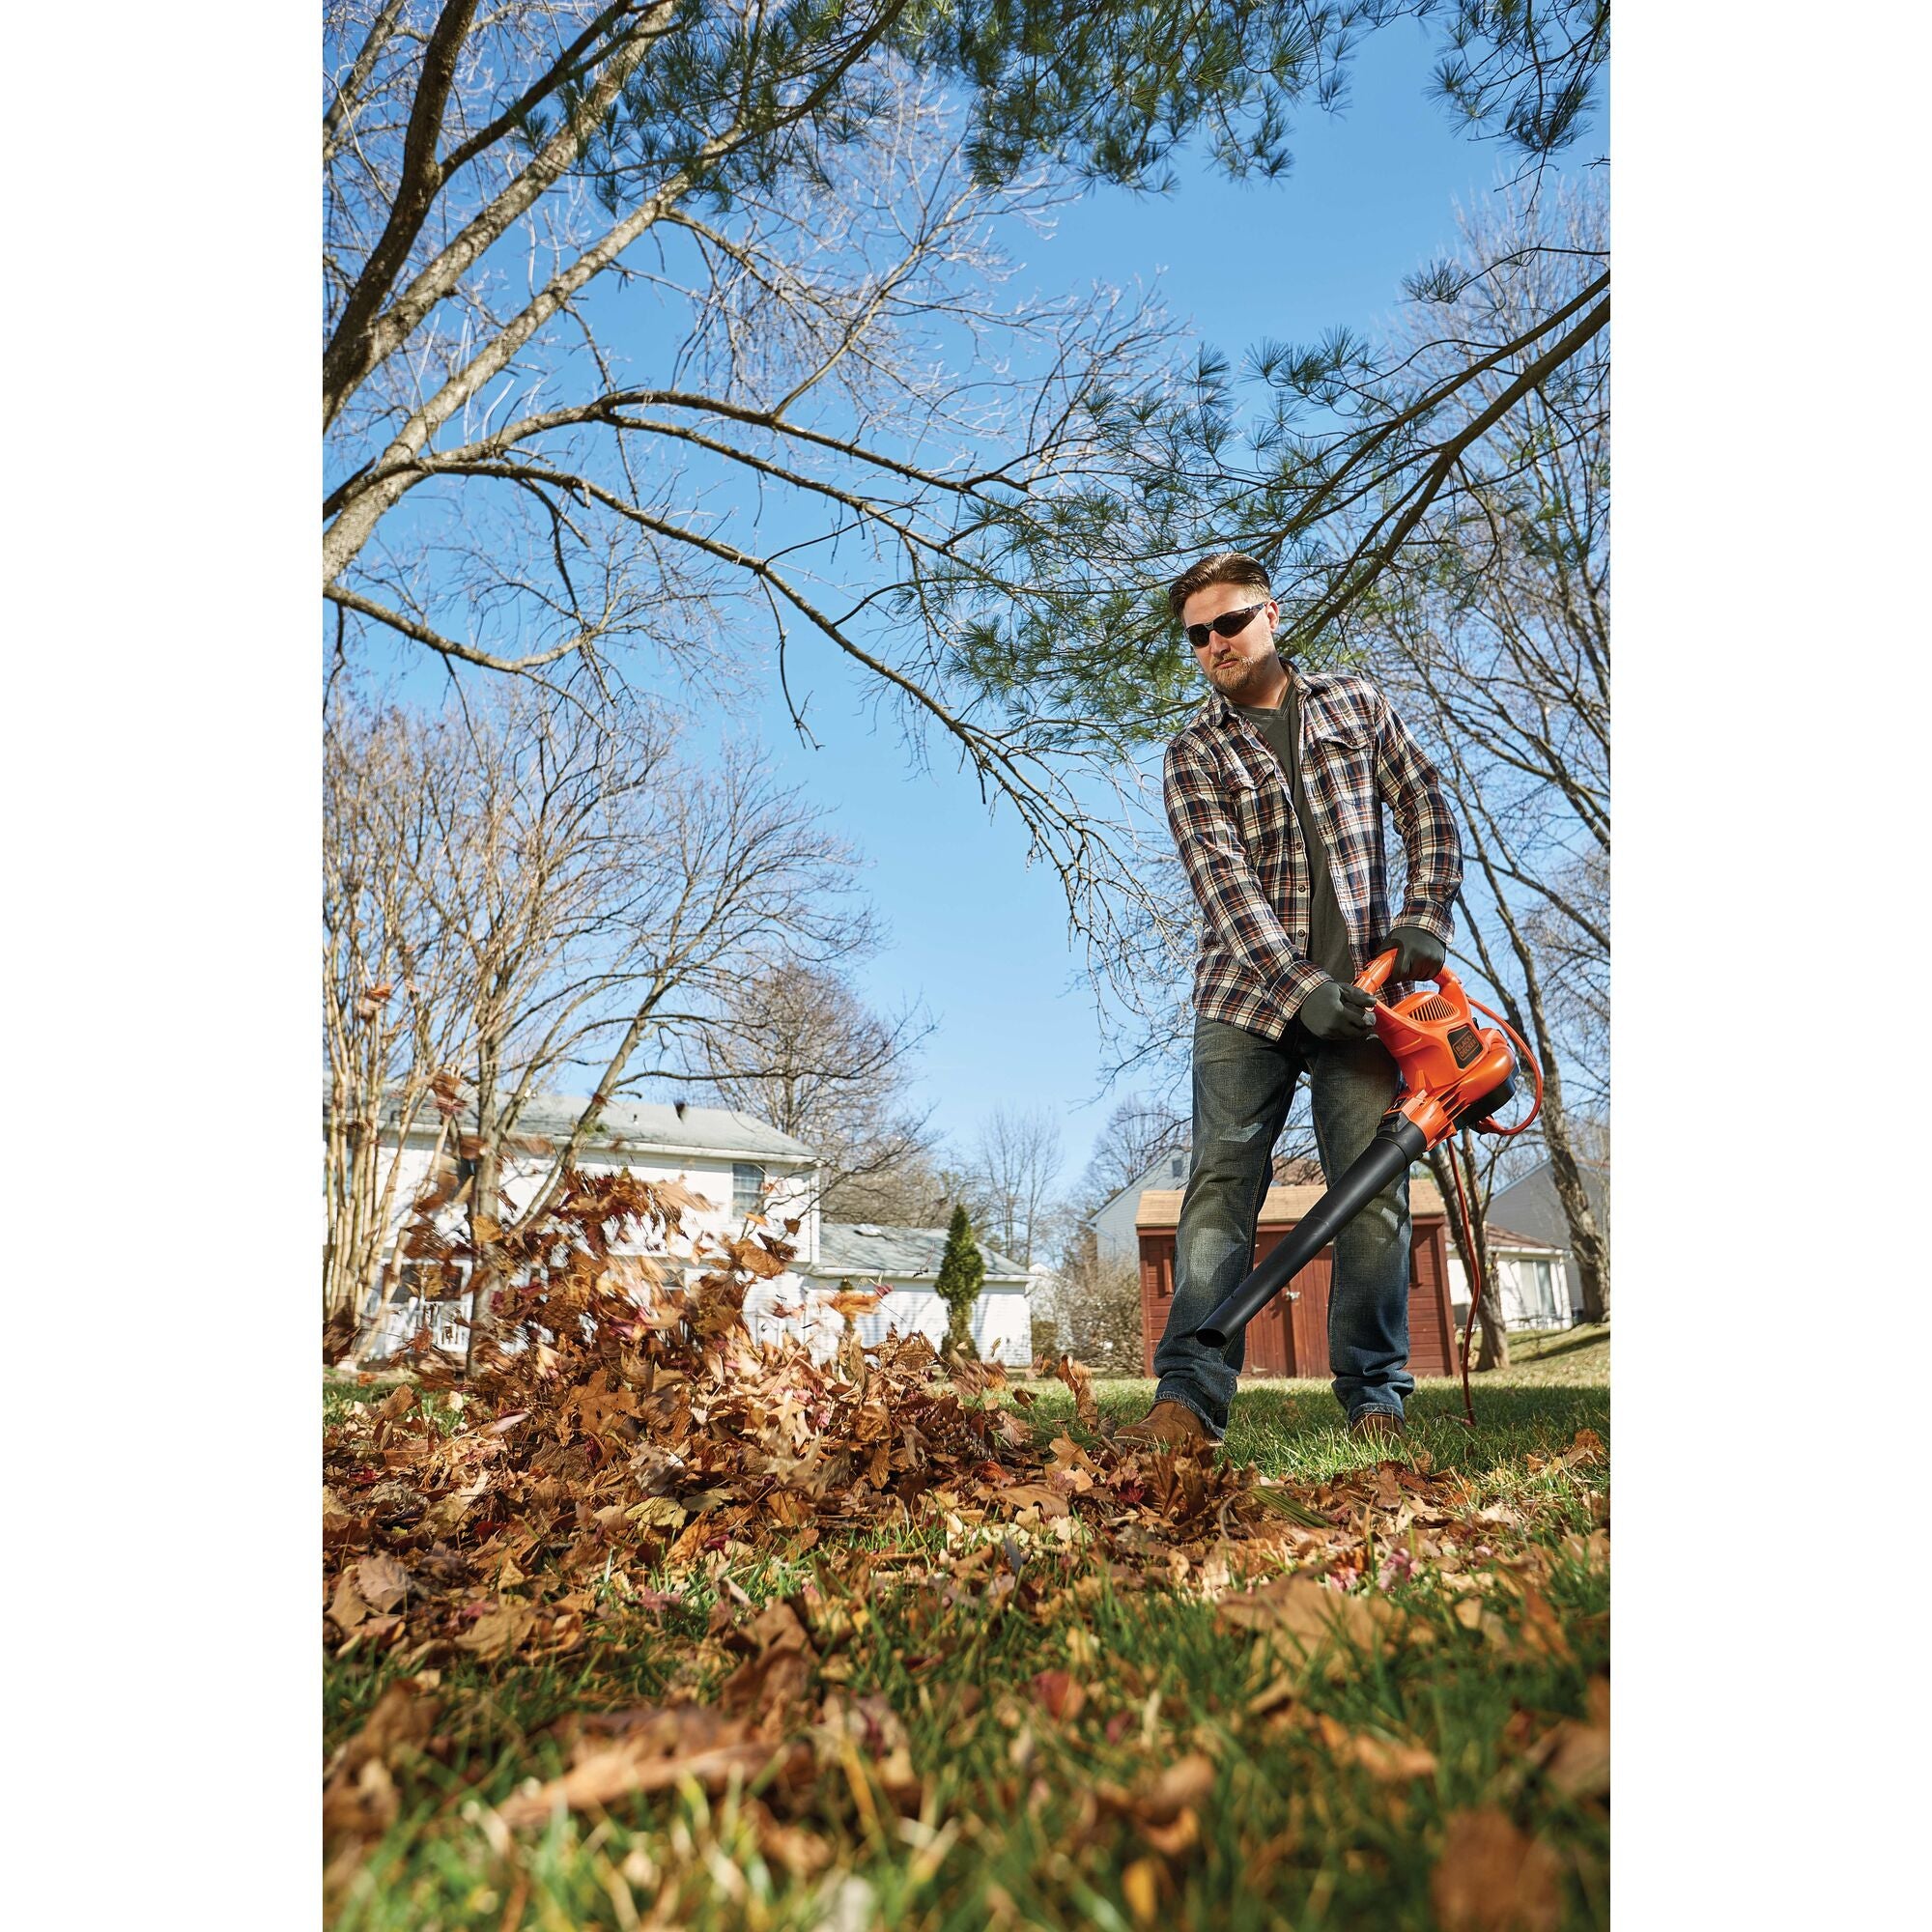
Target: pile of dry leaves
638, 1437
640, 1428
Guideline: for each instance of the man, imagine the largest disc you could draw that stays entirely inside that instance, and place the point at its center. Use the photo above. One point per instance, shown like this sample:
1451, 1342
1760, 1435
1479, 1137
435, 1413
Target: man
1274, 794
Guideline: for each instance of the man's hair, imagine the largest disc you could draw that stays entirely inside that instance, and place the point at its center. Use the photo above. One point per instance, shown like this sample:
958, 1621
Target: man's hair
1225, 566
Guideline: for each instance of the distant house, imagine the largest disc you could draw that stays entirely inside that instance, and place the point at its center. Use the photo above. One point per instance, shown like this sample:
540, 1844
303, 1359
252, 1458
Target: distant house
1289, 1335
1114, 1235
734, 1162
1530, 1275
738, 1165
906, 1261
1531, 1204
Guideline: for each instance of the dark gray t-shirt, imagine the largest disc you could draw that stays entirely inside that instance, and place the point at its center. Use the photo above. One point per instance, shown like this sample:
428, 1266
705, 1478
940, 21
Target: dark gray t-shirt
1327, 930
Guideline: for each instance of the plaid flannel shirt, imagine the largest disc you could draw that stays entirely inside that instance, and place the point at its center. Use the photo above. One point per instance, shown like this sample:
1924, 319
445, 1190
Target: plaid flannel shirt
1236, 831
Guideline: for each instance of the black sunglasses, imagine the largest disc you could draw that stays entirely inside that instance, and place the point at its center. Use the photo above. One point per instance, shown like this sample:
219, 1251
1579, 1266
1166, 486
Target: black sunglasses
1229, 624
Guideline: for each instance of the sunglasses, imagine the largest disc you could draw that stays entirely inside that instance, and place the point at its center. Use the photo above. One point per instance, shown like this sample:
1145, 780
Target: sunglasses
1229, 624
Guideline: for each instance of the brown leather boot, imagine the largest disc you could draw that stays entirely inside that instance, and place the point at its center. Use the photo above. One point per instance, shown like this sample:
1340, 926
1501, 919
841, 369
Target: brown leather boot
1171, 1428
1377, 1425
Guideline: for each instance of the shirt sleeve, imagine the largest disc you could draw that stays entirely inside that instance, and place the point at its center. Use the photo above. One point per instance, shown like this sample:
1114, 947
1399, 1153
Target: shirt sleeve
1237, 914
1409, 783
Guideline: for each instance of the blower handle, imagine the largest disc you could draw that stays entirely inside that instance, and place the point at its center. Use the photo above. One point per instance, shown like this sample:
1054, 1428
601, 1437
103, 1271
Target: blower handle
1374, 976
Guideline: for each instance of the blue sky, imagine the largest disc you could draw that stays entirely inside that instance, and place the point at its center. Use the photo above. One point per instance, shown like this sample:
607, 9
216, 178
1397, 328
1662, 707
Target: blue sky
982, 939
974, 934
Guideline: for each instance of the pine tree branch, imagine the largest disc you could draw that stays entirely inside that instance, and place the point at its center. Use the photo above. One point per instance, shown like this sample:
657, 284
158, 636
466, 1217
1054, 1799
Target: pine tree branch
1375, 553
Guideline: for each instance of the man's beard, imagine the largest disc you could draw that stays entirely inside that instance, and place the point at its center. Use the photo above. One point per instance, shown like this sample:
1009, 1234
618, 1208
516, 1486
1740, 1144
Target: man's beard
1239, 681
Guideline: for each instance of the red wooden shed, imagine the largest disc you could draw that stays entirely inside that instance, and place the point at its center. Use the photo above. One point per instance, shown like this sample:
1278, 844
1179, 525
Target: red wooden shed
1290, 1338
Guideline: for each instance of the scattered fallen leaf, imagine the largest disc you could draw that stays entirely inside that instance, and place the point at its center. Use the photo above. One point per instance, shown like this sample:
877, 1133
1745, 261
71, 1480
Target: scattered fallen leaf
1490, 1877
1081, 1383
774, 1680
1541, 1629
636, 1764
359, 1798
1162, 1797
802, 1853
870, 1728
381, 1580
1060, 1695
1574, 1754
1385, 1760
500, 1629
1034, 1495
1161, 1805
1306, 1616
1393, 1762
346, 1608
403, 1716
1140, 1886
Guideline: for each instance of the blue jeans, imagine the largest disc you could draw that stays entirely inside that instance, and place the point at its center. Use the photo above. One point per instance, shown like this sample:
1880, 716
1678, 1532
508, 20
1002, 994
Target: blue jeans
1243, 1088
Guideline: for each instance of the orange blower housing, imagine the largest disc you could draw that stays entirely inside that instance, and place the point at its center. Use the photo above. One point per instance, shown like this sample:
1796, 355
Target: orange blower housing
1454, 1072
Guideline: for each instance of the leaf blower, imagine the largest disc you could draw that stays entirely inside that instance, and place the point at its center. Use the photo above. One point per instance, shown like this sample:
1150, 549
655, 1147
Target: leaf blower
1455, 1074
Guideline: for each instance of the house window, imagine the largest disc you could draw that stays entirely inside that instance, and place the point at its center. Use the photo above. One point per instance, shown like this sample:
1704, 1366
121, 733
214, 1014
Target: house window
748, 1187
1548, 1278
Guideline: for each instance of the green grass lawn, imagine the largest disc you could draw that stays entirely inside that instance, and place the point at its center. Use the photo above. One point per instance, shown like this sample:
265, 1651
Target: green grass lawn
1062, 1742
1541, 1357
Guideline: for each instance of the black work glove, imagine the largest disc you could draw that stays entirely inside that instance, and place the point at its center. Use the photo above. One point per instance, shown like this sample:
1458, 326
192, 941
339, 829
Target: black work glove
1338, 1010
1418, 954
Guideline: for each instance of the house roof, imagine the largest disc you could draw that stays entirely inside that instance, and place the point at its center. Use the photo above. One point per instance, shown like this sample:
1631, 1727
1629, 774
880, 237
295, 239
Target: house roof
654, 1125
1138, 1185
1160, 1207
658, 1125
1508, 1237
863, 1247
1532, 1202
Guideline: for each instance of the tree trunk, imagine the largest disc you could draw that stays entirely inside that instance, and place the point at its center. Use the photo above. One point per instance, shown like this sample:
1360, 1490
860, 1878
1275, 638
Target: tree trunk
1472, 1249
392, 1268
485, 1230
959, 1333
1495, 1350
1586, 1241
1492, 1346
1588, 1245
484, 1267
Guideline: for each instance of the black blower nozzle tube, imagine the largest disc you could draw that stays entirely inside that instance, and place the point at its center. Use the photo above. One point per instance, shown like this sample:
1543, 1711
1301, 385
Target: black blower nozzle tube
1398, 1142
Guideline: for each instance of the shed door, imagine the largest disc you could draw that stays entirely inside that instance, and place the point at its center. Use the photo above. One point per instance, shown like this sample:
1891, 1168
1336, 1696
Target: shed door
1311, 1314
1270, 1350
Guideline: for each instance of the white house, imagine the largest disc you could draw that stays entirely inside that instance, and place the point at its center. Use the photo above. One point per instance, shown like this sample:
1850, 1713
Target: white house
1531, 1204
1115, 1233
906, 1261
738, 1165
734, 1162
1529, 1271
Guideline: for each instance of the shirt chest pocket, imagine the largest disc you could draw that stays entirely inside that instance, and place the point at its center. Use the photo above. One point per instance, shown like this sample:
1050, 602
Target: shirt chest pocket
1341, 796
1259, 809
1340, 764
